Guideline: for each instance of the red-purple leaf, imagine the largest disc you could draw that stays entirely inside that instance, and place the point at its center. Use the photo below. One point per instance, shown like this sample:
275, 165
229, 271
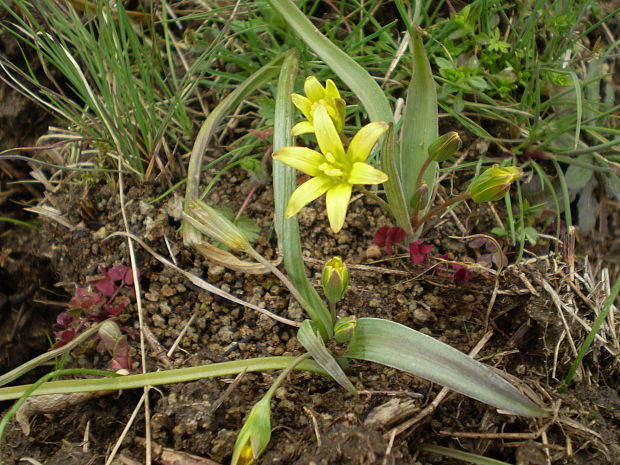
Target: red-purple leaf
105, 286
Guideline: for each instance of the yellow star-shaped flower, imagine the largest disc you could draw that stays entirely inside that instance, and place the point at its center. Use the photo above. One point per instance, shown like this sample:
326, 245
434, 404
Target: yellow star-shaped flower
317, 95
333, 170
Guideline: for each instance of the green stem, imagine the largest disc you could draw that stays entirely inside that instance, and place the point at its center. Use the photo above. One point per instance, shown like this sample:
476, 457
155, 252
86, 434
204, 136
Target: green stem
41, 359
332, 309
282, 277
443, 206
375, 197
418, 183
282, 376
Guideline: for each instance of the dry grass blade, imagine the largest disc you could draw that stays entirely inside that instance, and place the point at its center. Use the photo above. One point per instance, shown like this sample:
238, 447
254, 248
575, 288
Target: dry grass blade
205, 285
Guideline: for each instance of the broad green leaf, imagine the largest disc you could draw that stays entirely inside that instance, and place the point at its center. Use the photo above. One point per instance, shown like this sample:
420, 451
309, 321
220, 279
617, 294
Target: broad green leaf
309, 336
400, 347
352, 74
284, 183
420, 127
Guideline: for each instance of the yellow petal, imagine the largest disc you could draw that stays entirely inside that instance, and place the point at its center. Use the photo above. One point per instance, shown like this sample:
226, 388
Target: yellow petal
301, 158
365, 139
340, 106
313, 88
337, 203
326, 134
303, 127
306, 193
331, 91
304, 105
363, 173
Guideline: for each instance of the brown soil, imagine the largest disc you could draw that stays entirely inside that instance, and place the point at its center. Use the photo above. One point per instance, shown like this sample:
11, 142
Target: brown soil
315, 421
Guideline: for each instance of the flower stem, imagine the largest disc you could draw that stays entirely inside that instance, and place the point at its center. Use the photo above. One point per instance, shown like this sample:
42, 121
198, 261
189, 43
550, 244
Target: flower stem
439, 208
282, 277
332, 309
282, 376
374, 196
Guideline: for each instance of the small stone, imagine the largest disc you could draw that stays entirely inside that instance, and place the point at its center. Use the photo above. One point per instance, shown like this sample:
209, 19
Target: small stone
374, 251
226, 334
158, 321
295, 312
423, 316
216, 270
167, 291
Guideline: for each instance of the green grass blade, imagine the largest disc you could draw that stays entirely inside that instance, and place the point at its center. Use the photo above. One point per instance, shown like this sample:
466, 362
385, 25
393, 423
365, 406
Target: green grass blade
420, 126
583, 350
400, 347
284, 183
352, 74
158, 378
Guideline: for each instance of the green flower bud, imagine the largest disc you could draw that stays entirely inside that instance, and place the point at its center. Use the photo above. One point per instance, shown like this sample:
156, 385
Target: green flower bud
444, 147
344, 328
335, 279
420, 197
493, 184
209, 221
254, 435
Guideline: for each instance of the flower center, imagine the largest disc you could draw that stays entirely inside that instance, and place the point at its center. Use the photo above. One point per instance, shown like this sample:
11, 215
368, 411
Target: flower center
331, 167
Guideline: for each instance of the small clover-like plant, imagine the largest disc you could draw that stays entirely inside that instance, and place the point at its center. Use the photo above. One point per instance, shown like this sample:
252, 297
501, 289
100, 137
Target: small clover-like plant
99, 302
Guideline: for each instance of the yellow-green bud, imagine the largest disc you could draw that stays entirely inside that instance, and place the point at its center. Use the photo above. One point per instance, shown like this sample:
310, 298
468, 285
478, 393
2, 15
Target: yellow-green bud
335, 279
420, 197
254, 435
493, 184
444, 147
344, 328
209, 221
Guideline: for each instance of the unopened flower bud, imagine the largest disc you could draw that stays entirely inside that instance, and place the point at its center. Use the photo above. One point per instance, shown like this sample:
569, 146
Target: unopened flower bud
444, 147
110, 334
254, 435
344, 328
335, 279
420, 197
493, 184
209, 221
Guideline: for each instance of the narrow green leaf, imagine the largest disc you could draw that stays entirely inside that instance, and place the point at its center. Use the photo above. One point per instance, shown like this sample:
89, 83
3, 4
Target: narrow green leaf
596, 327
400, 347
284, 183
208, 128
315, 345
352, 74
420, 126
158, 378
393, 186
460, 455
